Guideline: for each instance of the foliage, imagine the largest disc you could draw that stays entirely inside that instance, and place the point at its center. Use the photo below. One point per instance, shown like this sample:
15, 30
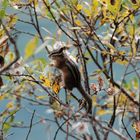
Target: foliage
101, 35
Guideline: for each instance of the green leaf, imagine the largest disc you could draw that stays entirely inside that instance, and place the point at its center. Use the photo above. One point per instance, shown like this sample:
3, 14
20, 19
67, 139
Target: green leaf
6, 127
31, 47
135, 83
2, 13
5, 4
114, 6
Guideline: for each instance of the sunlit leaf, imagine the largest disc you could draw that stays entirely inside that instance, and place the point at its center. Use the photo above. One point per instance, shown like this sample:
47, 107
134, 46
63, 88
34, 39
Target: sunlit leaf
94, 100
121, 61
12, 20
110, 46
10, 56
122, 99
88, 12
6, 127
30, 47
4, 4
2, 97
79, 7
2, 13
10, 105
113, 6
134, 48
41, 97
136, 126
102, 112
75, 28
78, 22
56, 87
95, 5
46, 81
55, 104
135, 83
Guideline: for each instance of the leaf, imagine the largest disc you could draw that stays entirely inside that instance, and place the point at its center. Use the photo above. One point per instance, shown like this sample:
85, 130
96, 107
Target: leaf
2, 97
75, 28
12, 20
4, 4
134, 48
121, 62
94, 5
94, 100
56, 87
110, 46
10, 105
102, 112
135, 83
41, 97
88, 12
55, 104
6, 127
122, 100
113, 6
2, 14
30, 47
46, 81
79, 7
136, 126
78, 22
4, 47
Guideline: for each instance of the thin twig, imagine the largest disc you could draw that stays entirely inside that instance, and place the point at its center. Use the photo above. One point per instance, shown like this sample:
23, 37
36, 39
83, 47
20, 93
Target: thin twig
31, 124
122, 120
17, 55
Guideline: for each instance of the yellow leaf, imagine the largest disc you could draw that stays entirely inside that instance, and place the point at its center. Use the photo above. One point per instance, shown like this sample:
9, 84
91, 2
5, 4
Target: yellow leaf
12, 20
136, 126
94, 7
88, 12
79, 7
10, 105
110, 46
11, 56
55, 105
56, 87
2, 97
121, 62
114, 6
30, 47
134, 48
102, 112
46, 81
122, 100
94, 100
78, 22
131, 30
41, 97
42, 77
